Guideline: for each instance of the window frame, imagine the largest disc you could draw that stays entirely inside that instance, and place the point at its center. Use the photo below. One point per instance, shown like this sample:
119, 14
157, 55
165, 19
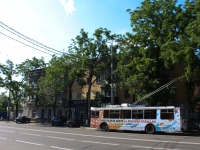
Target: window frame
78, 96
96, 114
168, 115
126, 94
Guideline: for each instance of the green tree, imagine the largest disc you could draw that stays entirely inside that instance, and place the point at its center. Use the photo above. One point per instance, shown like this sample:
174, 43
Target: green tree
4, 102
190, 46
184, 47
29, 71
73, 72
8, 81
142, 63
93, 55
60, 75
52, 84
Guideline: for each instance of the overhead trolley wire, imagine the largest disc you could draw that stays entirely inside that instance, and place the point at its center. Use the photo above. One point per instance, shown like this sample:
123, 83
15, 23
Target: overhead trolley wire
25, 44
30, 40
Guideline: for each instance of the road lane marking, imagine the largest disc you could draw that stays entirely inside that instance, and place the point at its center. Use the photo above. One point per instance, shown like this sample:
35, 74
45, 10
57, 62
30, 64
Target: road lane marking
97, 133
69, 130
132, 135
153, 148
106, 137
99, 143
60, 148
2, 138
7, 131
29, 143
60, 138
177, 138
29, 134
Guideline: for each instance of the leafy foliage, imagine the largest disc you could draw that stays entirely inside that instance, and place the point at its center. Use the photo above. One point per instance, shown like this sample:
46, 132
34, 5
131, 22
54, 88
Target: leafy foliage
143, 63
92, 53
15, 87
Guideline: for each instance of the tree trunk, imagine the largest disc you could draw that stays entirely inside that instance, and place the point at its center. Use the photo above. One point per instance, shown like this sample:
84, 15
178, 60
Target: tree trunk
16, 111
54, 105
88, 105
70, 100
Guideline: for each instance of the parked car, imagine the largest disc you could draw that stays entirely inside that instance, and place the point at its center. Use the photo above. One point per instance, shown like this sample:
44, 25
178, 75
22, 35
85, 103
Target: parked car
56, 121
22, 119
73, 122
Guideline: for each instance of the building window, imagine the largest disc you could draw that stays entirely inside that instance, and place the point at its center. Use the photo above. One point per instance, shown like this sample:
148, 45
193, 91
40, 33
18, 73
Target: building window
78, 82
104, 75
97, 94
114, 76
109, 93
34, 113
98, 80
42, 113
126, 94
49, 113
87, 81
78, 96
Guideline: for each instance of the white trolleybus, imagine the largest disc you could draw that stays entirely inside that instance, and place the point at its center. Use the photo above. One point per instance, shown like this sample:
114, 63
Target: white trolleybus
139, 118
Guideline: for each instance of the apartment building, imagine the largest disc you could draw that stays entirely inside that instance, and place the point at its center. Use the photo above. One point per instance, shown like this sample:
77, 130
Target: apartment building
78, 105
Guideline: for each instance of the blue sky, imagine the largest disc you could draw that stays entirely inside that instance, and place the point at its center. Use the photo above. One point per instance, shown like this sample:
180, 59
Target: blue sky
55, 22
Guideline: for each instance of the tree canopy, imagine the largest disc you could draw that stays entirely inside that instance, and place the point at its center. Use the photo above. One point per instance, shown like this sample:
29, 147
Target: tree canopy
160, 38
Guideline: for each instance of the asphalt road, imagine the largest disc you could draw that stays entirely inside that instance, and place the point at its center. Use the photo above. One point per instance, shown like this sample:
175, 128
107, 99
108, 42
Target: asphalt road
33, 136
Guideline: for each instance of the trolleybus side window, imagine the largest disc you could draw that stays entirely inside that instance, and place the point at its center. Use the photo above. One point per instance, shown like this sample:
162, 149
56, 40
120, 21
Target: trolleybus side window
95, 114
137, 114
106, 114
149, 114
167, 114
114, 114
126, 114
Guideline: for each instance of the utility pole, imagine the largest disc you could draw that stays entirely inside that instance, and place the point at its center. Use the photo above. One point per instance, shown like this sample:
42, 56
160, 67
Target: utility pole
8, 108
111, 73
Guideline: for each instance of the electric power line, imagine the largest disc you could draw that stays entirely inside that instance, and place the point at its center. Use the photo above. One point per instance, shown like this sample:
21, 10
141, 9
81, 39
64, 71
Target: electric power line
29, 40
25, 44
28, 37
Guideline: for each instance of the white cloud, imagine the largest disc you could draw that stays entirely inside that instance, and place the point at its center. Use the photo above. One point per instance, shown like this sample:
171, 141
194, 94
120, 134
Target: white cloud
68, 6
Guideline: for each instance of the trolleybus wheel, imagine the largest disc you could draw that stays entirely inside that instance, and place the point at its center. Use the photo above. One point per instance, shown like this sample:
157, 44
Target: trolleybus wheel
104, 127
150, 129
